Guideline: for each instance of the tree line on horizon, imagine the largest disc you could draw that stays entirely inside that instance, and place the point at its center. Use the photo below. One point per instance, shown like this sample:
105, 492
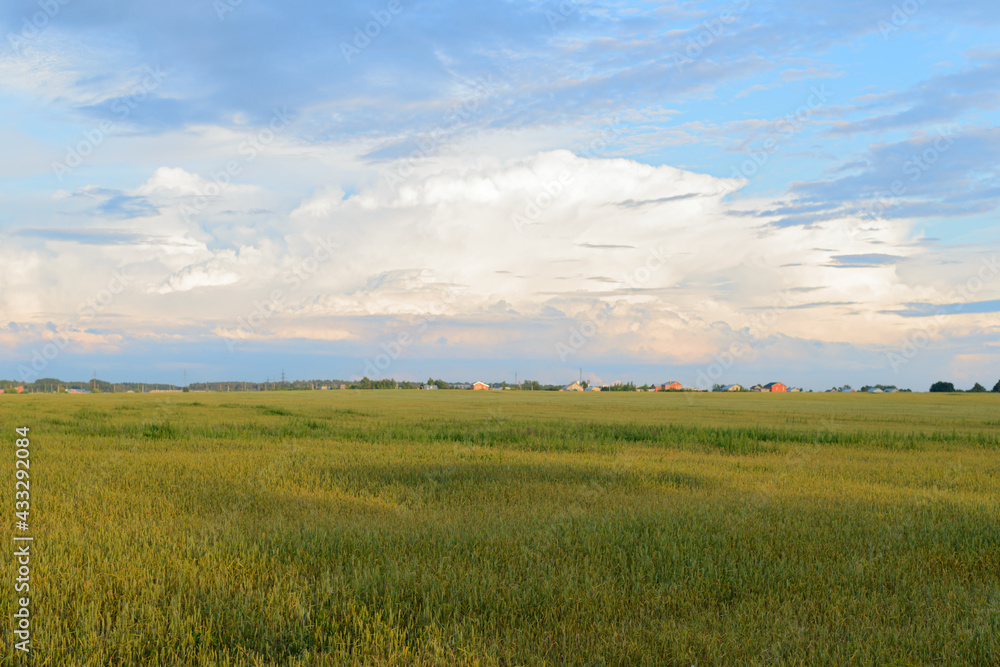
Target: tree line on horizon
54, 385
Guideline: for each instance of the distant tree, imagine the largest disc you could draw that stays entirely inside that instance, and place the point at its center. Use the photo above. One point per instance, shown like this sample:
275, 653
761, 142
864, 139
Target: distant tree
942, 387
978, 389
996, 387
628, 386
718, 387
585, 384
846, 387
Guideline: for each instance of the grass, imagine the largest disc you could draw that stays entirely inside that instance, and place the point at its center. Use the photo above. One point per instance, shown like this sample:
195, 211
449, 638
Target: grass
462, 528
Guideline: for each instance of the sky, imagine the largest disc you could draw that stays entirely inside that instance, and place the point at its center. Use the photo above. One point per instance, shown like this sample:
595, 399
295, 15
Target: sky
712, 192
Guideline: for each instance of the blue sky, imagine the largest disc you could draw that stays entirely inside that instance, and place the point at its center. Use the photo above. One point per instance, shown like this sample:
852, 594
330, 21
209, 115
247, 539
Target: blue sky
704, 191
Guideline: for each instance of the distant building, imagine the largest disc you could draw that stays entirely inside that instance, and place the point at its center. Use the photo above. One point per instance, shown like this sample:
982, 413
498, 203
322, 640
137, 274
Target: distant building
775, 387
875, 390
480, 386
732, 387
576, 386
428, 386
674, 385
795, 389
593, 388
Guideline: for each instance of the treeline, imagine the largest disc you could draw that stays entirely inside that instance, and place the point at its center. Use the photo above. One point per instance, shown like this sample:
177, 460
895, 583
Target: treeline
949, 387
54, 385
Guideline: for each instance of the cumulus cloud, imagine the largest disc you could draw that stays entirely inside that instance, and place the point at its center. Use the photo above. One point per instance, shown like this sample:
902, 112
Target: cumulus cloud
467, 257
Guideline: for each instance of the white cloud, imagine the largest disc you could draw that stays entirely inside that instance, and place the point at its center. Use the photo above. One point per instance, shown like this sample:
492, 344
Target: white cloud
177, 182
506, 255
224, 268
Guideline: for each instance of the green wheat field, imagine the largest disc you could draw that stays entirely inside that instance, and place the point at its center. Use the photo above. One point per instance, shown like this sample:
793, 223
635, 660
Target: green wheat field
509, 528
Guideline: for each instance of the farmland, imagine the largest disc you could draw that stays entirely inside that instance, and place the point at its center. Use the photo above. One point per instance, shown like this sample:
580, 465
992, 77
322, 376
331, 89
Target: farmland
510, 528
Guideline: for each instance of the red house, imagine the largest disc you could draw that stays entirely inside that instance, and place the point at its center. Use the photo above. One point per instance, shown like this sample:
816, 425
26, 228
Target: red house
775, 387
480, 386
668, 386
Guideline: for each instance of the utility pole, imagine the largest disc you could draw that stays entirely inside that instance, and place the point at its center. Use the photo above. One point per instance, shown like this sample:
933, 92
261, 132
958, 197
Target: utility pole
282, 378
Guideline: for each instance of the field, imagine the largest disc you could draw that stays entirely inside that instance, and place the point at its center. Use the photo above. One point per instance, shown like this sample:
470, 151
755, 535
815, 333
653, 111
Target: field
509, 528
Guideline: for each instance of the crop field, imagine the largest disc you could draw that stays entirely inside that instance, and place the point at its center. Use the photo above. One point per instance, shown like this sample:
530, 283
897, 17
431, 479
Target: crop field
509, 528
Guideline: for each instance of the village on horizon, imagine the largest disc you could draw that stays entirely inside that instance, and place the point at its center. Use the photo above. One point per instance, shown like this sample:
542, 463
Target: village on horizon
53, 385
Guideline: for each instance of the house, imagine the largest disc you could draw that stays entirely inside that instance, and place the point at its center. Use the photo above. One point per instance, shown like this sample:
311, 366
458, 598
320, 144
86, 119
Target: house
593, 388
674, 385
576, 386
480, 386
797, 390
732, 387
775, 387
756, 387
875, 390
428, 386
